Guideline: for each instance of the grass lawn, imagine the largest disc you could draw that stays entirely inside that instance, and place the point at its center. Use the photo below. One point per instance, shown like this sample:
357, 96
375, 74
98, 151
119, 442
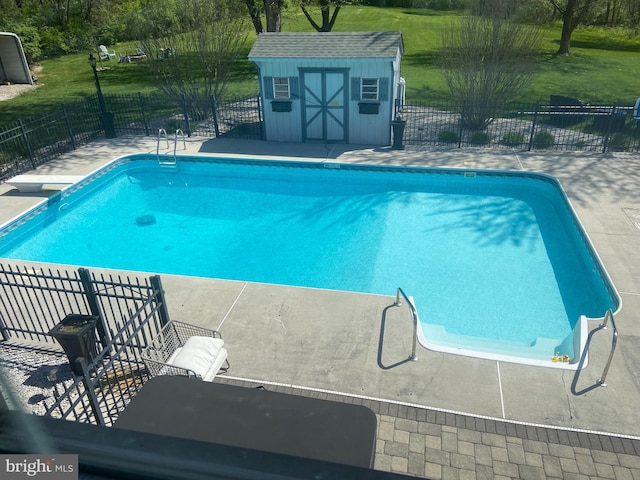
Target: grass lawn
603, 68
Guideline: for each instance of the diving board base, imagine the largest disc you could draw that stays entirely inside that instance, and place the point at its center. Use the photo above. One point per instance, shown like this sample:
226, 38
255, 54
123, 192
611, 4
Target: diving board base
34, 183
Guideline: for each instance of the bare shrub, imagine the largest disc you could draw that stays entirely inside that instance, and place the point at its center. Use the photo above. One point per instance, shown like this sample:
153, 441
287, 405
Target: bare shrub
488, 61
196, 59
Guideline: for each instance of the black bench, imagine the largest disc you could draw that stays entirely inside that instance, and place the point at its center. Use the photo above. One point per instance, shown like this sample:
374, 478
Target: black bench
252, 418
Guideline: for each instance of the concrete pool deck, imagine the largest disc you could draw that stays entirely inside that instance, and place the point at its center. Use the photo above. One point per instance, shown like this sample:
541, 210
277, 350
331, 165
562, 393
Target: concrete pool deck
358, 345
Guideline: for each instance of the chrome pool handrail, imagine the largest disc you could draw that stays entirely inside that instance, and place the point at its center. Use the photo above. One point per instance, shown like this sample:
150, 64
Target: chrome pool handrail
161, 131
604, 325
414, 315
175, 143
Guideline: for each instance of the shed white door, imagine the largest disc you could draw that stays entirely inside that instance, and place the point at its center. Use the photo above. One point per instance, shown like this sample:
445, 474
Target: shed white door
324, 116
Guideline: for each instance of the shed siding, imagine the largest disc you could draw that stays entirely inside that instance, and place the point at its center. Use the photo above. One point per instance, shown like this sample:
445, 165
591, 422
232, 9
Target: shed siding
371, 129
280, 126
367, 128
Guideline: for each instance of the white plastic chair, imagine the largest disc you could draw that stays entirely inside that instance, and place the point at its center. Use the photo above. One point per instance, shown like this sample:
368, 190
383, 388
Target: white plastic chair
105, 54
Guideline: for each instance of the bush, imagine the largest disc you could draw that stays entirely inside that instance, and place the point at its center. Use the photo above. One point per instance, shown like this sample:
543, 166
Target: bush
480, 138
173, 125
29, 37
447, 136
513, 139
544, 139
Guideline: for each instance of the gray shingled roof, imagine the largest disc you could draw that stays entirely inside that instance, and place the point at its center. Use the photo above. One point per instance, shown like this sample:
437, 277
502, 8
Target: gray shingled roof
327, 45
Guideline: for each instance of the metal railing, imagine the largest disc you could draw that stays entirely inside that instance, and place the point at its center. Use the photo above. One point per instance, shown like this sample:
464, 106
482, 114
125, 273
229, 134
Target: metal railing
117, 373
175, 143
604, 128
604, 326
28, 143
414, 315
33, 300
161, 133
131, 312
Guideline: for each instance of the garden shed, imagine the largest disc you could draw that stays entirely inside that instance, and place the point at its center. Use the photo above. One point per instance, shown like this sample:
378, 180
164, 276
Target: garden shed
341, 87
13, 63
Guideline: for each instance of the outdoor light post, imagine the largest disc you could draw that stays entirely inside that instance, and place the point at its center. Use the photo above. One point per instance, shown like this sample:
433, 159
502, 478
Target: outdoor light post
106, 118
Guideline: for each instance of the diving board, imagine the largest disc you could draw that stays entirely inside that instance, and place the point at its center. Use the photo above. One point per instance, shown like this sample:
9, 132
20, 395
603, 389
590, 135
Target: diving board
34, 183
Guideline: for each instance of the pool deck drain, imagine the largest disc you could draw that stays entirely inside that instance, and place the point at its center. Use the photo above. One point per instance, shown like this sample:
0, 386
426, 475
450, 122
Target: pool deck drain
355, 344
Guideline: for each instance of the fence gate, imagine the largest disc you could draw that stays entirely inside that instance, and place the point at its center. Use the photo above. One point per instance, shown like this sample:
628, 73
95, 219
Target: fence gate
131, 311
33, 300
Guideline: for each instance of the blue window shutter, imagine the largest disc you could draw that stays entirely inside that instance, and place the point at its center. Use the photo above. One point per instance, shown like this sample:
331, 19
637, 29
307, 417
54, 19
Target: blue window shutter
355, 88
268, 88
383, 93
294, 90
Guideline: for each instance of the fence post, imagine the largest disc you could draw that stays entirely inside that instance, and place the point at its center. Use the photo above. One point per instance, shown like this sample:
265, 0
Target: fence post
66, 121
89, 388
607, 131
26, 141
163, 312
185, 112
533, 127
4, 330
460, 126
263, 133
214, 111
144, 118
94, 306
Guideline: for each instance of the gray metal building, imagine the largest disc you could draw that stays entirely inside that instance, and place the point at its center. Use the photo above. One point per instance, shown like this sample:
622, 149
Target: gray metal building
13, 62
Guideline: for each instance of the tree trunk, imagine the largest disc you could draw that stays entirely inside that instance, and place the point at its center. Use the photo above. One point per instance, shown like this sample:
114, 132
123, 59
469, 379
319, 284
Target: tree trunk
254, 13
273, 14
325, 19
328, 20
568, 26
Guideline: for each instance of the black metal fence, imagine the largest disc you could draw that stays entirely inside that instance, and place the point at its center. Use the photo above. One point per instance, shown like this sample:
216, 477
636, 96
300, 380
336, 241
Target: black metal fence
34, 300
131, 311
25, 144
28, 143
109, 381
523, 127
205, 117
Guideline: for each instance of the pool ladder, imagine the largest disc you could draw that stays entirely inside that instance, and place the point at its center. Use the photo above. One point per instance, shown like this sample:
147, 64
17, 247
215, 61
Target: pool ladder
604, 326
169, 162
414, 316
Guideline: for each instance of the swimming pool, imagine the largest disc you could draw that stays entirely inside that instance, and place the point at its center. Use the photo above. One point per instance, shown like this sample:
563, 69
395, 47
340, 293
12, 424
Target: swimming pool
496, 262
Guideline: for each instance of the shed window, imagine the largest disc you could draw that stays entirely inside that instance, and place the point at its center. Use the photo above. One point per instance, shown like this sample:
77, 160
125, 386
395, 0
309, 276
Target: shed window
369, 89
281, 87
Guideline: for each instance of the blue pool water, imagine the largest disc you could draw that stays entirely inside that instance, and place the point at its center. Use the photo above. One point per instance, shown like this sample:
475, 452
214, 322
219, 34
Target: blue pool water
486, 256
